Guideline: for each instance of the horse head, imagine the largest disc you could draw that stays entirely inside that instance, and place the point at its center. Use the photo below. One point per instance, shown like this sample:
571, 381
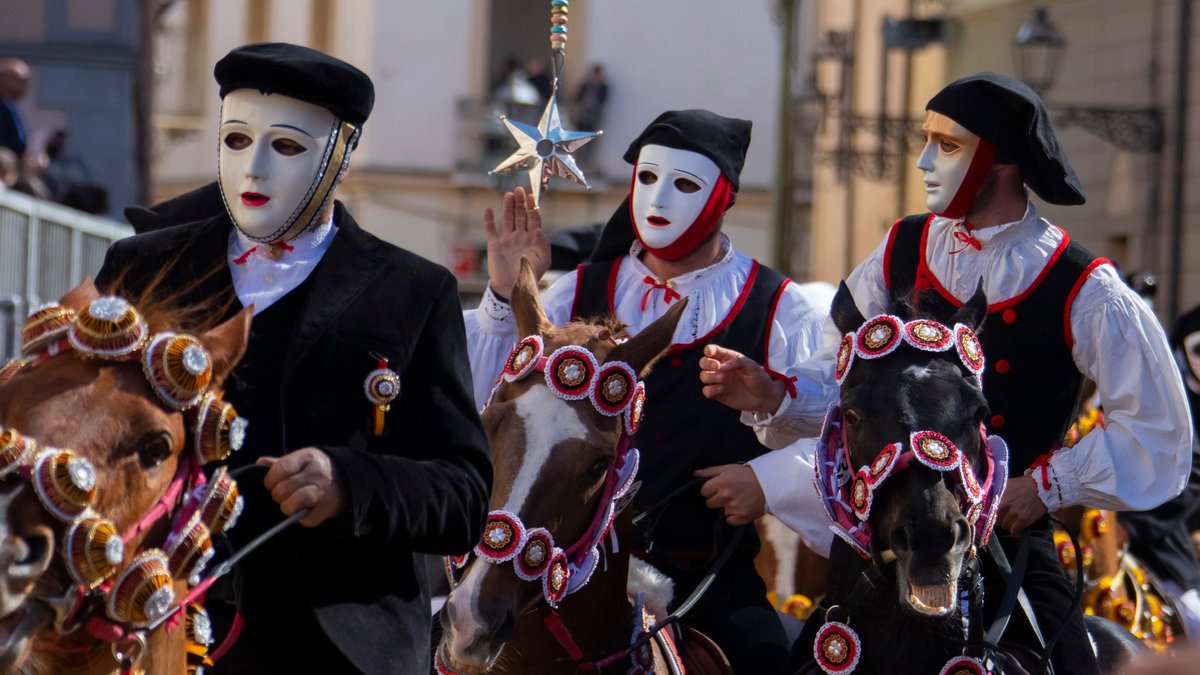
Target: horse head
559, 423
94, 423
905, 449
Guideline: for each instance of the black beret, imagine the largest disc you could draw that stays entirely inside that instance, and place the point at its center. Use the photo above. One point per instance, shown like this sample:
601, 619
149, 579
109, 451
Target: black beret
1008, 114
300, 73
724, 140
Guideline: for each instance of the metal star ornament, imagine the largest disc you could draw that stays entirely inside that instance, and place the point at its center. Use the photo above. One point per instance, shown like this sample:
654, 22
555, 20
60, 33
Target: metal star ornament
545, 150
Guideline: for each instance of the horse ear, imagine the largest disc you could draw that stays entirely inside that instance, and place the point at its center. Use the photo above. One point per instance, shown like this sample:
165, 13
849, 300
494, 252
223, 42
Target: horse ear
844, 312
643, 350
527, 303
81, 296
974, 311
226, 343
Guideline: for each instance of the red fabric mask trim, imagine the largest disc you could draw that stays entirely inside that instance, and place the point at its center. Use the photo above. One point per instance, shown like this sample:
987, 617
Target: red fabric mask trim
714, 209
964, 197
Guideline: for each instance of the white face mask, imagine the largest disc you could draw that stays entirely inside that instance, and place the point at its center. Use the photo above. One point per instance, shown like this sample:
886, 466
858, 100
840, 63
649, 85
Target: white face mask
670, 189
273, 153
946, 159
1191, 356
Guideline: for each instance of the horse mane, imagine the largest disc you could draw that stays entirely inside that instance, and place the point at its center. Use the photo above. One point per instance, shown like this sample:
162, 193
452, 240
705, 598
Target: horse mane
597, 333
165, 303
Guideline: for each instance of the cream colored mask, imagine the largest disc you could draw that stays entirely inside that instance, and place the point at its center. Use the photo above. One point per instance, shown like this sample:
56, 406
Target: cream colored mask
279, 161
955, 163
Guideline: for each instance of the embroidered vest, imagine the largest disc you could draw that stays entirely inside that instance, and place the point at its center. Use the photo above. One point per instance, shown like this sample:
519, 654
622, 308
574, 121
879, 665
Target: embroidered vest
683, 431
1030, 379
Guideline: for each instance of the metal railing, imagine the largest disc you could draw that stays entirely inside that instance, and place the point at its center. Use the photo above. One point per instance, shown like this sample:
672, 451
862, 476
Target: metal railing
45, 250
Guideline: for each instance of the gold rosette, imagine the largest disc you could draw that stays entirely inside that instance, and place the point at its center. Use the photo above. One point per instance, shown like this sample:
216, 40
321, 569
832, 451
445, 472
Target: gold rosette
15, 450
11, 367
189, 550
220, 505
142, 593
178, 367
45, 326
110, 328
93, 551
219, 431
64, 482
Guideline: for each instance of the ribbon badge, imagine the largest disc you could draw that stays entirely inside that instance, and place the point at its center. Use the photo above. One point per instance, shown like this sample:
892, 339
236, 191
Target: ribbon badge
382, 386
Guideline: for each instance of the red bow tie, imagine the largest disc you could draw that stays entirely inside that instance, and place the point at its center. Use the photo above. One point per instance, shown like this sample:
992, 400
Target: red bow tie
968, 240
669, 292
273, 251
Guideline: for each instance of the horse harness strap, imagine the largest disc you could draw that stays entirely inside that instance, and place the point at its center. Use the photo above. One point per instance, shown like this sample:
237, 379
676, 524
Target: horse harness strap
1013, 595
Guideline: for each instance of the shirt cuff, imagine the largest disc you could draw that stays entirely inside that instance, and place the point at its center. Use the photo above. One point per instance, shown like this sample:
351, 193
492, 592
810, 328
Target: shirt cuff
494, 315
760, 419
1057, 485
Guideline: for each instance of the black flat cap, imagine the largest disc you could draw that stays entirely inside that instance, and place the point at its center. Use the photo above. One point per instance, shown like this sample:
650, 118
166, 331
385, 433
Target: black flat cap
724, 140
1011, 116
300, 73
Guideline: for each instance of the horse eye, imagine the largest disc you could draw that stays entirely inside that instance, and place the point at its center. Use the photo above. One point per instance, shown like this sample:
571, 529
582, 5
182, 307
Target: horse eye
153, 450
600, 467
852, 417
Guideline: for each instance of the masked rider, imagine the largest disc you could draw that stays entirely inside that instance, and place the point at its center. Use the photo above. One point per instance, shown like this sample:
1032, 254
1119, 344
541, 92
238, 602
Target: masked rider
344, 325
663, 244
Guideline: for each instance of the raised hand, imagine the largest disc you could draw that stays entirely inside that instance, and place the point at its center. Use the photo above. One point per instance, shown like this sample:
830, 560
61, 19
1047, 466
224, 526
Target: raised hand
519, 235
738, 381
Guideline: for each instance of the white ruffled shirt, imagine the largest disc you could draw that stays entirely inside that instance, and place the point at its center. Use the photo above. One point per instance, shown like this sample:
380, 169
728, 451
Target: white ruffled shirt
796, 334
260, 280
1142, 456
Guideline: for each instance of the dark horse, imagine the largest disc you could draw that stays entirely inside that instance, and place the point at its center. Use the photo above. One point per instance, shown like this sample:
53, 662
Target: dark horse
911, 484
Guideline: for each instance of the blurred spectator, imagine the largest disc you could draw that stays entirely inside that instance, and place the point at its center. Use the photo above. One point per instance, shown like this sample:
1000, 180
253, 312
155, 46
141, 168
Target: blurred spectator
68, 179
590, 100
30, 181
10, 169
14, 79
535, 71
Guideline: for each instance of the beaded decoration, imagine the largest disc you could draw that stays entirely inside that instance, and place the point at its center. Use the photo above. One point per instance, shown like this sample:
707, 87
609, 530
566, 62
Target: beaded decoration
837, 648
964, 665
46, 325
883, 334
142, 593
109, 328
93, 551
178, 368
571, 372
503, 537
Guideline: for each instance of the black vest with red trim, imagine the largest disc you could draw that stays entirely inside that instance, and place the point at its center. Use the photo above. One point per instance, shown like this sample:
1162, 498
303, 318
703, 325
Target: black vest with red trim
683, 431
1030, 380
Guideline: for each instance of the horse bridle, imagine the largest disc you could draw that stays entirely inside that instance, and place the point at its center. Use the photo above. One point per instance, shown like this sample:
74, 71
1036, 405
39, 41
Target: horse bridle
137, 593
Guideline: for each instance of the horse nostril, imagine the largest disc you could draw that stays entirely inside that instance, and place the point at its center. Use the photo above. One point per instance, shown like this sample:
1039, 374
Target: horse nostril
31, 553
962, 532
901, 537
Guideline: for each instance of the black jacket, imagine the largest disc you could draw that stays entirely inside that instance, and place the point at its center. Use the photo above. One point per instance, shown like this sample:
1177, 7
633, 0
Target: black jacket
422, 487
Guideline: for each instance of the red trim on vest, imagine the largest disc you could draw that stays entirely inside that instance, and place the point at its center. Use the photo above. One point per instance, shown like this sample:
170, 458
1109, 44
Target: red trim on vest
924, 271
699, 230
766, 361
1087, 272
575, 297
733, 312
977, 171
887, 253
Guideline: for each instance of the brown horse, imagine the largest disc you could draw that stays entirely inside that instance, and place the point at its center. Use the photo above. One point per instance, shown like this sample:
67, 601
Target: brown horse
555, 461
133, 426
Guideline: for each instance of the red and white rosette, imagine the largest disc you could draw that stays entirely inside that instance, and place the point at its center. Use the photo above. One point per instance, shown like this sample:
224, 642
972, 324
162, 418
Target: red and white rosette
570, 371
534, 557
556, 578
884, 463
964, 665
927, 335
934, 450
523, 358
637, 409
969, 349
861, 496
615, 385
966, 473
879, 336
844, 359
837, 648
503, 537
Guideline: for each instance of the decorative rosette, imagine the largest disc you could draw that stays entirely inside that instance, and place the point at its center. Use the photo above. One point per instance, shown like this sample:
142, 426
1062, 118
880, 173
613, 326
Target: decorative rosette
46, 325
219, 431
15, 450
637, 409
93, 551
878, 337
928, 335
964, 665
503, 537
220, 504
64, 482
615, 384
142, 593
884, 463
934, 450
971, 489
861, 496
556, 578
534, 557
844, 359
178, 367
189, 550
454, 565
382, 386
837, 648
110, 328
969, 349
523, 358
11, 367
570, 371
199, 633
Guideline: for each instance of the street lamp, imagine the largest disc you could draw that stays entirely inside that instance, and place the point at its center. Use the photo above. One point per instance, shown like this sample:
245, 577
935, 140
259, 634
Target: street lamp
1037, 49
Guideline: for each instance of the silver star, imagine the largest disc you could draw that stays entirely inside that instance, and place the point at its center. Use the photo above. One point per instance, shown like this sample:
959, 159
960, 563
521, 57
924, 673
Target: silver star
545, 150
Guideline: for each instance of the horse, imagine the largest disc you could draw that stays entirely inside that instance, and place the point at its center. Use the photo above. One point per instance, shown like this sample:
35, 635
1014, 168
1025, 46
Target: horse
563, 473
911, 483
100, 542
